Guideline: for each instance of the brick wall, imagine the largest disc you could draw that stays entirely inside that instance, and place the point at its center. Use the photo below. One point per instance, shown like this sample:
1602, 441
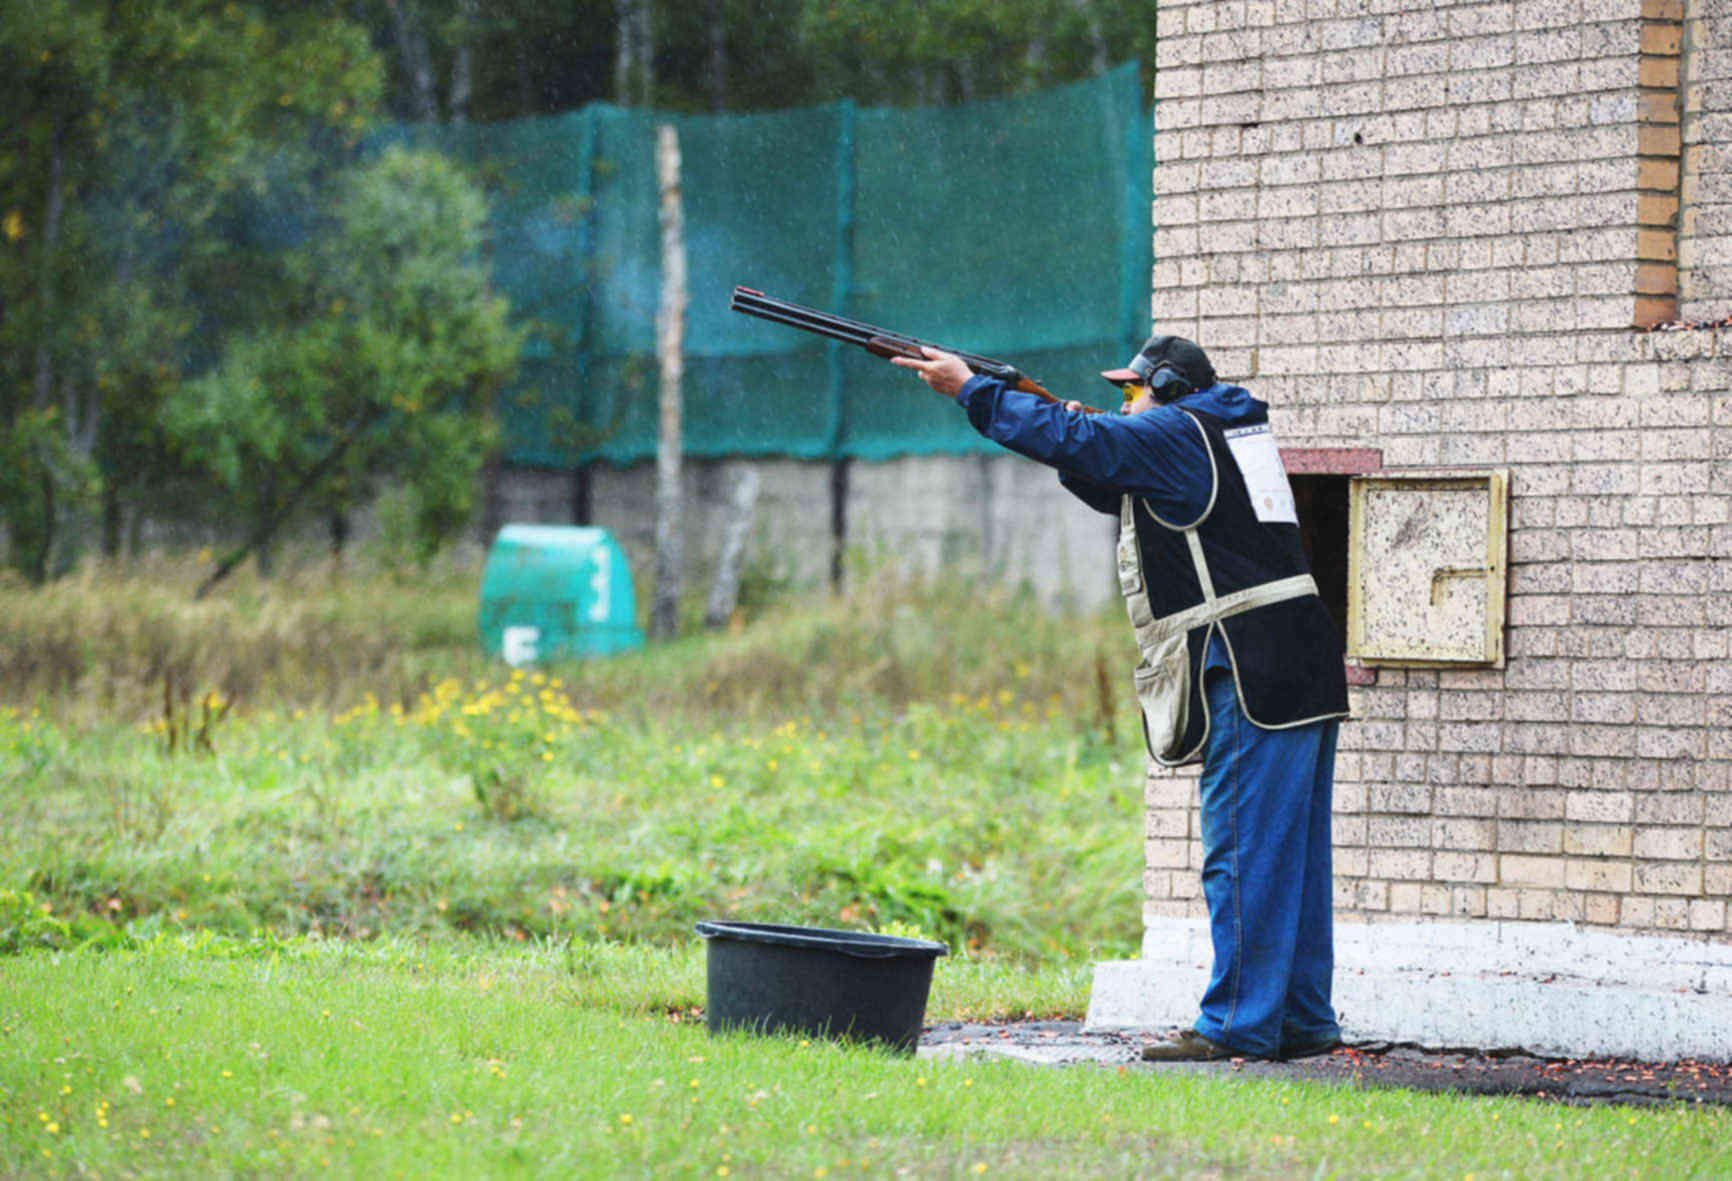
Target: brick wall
1705, 230
1432, 228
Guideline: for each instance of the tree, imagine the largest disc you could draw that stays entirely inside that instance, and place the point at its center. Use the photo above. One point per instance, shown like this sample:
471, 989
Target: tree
526, 57
935, 51
131, 131
387, 369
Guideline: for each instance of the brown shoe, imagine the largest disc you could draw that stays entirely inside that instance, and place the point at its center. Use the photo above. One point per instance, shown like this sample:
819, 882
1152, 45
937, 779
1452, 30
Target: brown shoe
1188, 1046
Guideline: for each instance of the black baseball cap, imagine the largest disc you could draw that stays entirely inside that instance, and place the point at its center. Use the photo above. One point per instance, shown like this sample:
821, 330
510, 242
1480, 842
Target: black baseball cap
1183, 357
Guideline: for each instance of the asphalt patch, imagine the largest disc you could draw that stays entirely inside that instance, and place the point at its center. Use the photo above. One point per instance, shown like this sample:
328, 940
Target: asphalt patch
1469, 1071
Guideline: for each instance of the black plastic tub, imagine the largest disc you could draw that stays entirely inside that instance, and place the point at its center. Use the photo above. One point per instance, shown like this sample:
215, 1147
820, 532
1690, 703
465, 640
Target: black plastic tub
839, 984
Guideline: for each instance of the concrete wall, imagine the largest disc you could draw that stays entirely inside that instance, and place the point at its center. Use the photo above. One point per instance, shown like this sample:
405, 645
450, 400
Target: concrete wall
1436, 229
998, 516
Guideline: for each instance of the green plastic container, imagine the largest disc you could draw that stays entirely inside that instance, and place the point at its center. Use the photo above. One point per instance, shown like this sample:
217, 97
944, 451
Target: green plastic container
556, 592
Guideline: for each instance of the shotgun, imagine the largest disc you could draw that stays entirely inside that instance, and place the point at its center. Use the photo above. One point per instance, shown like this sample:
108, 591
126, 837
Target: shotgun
877, 341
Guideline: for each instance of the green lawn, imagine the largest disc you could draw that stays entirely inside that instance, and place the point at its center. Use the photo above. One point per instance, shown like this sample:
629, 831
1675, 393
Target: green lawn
318, 1056
361, 903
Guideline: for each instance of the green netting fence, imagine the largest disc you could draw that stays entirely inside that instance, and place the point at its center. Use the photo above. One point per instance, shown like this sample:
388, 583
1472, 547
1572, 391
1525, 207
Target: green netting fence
1018, 228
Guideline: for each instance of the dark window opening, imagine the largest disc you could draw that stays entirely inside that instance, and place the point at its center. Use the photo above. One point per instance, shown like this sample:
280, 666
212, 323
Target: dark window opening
1322, 504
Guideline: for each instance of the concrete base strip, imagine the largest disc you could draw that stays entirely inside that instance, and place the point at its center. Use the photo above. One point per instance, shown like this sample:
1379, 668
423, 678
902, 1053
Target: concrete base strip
1550, 989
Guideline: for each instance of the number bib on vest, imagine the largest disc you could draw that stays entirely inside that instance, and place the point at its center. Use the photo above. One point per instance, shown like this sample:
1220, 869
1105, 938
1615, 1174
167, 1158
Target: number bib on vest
1259, 461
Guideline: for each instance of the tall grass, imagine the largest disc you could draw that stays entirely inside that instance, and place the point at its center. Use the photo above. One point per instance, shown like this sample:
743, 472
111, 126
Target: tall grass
108, 641
103, 645
917, 754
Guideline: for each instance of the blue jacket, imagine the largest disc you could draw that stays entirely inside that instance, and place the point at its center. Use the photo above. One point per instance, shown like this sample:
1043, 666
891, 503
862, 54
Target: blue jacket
1157, 454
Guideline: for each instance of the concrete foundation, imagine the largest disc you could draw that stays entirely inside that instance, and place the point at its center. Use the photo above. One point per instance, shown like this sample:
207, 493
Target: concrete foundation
1547, 988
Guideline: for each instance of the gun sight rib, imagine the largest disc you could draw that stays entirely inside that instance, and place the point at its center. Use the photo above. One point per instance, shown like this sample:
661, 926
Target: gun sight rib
755, 303
877, 341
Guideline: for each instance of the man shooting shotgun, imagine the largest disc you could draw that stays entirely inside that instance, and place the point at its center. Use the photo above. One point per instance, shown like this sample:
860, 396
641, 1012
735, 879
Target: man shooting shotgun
1240, 661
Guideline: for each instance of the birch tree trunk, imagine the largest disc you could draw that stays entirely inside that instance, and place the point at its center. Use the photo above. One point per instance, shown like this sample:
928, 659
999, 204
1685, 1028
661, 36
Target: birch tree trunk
718, 63
44, 383
55, 506
670, 348
417, 64
633, 68
461, 63
1097, 36
645, 53
725, 590
624, 27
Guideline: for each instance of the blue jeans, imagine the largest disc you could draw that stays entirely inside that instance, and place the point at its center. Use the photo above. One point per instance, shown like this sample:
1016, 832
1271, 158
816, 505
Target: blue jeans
1266, 878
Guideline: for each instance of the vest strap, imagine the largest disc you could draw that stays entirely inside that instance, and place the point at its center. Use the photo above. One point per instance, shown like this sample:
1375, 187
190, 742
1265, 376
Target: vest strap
1213, 609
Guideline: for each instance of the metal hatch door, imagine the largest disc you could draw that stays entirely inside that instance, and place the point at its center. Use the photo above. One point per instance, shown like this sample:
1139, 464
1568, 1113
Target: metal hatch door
1426, 568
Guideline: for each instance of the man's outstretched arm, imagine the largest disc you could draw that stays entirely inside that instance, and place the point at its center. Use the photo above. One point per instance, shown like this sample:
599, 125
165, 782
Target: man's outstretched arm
1097, 496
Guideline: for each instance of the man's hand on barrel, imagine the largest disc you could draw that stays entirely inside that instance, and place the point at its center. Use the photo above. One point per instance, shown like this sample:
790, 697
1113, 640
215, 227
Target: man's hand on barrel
945, 373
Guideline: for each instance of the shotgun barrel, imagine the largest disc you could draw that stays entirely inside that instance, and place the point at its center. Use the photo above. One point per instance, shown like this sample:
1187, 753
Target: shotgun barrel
879, 342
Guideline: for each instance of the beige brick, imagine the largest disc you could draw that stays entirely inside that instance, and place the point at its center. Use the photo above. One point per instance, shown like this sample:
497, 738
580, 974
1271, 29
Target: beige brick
1584, 874
1466, 801
1672, 914
1154, 908
1467, 901
1502, 903
1465, 867
1598, 840
1668, 877
1668, 844
1168, 822
1387, 832
1707, 914
1413, 798
1536, 904
1404, 897
1399, 864
1611, 807
1520, 870
1529, 836
1167, 853
1157, 884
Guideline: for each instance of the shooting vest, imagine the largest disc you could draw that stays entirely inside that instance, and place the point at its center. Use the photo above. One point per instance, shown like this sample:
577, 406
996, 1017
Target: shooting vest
1238, 569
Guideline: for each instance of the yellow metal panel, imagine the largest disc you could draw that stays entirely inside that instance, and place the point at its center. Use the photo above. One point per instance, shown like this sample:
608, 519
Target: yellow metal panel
1426, 568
